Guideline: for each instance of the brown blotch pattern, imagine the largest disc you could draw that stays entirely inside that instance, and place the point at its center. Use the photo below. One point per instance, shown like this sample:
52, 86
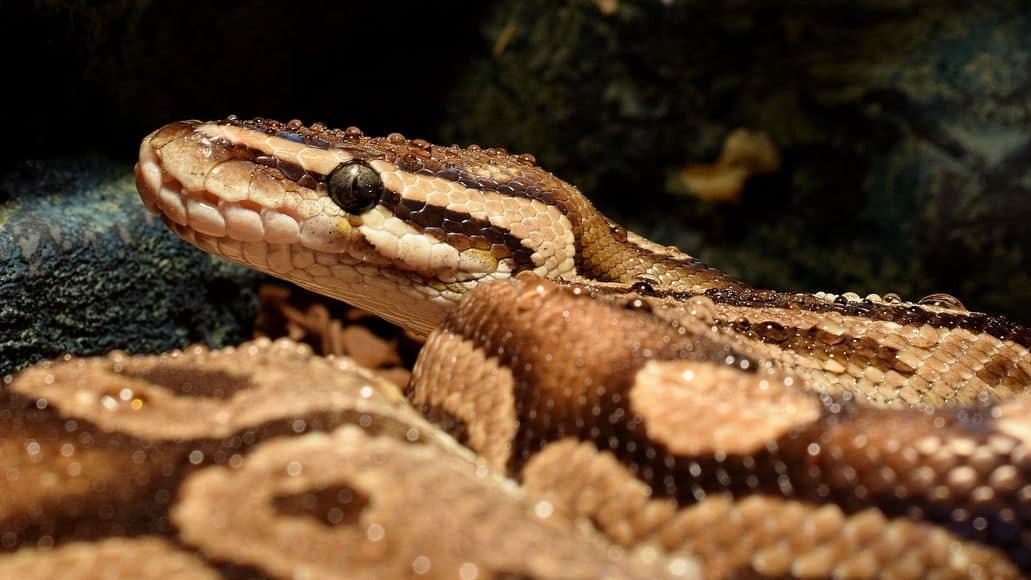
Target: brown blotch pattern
91, 447
612, 386
568, 390
756, 535
421, 504
454, 396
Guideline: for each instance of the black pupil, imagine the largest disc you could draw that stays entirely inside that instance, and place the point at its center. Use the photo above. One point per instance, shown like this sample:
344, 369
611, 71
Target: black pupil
354, 186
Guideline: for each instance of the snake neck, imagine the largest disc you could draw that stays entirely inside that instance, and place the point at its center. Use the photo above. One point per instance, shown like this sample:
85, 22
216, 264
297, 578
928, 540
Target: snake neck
607, 252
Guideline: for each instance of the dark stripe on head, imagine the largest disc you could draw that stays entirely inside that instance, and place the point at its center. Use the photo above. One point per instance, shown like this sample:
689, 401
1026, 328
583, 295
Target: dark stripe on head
460, 230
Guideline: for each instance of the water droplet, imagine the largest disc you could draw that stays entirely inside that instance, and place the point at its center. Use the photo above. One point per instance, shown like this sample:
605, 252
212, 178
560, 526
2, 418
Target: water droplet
639, 305
294, 124
527, 159
543, 509
772, 332
942, 300
702, 308
831, 336
421, 565
619, 232
644, 285
395, 138
108, 402
353, 132
375, 532
892, 298
422, 144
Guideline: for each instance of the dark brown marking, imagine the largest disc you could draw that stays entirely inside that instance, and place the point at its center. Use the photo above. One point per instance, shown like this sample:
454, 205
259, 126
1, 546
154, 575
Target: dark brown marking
976, 322
573, 381
337, 505
446, 225
822, 345
1002, 369
193, 381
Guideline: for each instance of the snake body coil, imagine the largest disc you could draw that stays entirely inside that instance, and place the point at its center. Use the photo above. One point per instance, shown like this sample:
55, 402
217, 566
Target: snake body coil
670, 405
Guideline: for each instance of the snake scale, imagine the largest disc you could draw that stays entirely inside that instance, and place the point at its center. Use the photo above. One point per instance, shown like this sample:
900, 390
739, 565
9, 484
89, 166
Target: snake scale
756, 432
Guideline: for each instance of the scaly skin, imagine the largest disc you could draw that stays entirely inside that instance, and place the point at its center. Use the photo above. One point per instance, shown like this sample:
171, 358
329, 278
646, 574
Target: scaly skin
844, 394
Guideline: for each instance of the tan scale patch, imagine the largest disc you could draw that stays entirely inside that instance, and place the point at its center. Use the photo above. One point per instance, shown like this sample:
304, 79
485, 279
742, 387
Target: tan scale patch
496, 173
308, 158
142, 558
379, 507
1014, 419
189, 159
753, 535
474, 389
230, 180
931, 366
202, 393
696, 408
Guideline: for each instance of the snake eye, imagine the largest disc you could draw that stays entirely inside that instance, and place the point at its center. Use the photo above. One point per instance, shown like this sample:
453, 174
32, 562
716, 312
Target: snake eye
354, 187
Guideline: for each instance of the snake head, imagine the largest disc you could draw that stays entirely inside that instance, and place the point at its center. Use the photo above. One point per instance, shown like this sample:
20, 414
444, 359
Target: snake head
399, 227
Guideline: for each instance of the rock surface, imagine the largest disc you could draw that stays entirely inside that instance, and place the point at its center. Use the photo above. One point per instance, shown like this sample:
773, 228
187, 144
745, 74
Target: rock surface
85, 269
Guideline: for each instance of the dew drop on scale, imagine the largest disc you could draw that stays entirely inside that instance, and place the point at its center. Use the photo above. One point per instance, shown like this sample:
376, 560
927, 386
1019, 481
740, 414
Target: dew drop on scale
942, 300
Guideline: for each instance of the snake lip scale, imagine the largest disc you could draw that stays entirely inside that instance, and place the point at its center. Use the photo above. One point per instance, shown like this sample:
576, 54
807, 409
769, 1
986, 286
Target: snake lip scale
559, 341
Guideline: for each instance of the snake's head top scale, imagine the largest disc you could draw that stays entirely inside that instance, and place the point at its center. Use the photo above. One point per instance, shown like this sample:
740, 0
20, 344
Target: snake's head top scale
397, 226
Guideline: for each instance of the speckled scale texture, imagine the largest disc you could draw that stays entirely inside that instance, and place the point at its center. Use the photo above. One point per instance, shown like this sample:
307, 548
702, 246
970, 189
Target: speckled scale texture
632, 386
858, 416
261, 460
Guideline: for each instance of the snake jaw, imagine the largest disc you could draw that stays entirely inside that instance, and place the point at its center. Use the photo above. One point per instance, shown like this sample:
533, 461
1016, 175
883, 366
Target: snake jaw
261, 199
254, 181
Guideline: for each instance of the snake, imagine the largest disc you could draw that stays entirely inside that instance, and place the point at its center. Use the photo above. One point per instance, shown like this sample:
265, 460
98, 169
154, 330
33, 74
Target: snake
661, 401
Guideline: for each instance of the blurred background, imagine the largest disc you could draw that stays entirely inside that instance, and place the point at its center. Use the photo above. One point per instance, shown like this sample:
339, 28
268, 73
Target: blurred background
866, 146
